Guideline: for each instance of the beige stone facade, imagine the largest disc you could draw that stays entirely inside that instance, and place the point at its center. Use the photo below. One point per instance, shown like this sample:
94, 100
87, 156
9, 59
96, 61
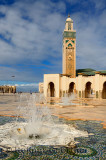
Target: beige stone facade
7, 89
41, 88
85, 85
56, 85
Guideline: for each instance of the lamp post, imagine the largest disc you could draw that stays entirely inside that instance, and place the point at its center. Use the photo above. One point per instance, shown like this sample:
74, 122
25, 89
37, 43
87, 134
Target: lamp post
13, 83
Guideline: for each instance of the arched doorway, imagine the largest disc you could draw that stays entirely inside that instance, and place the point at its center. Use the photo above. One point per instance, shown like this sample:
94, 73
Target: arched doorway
51, 89
1, 90
104, 91
7, 90
11, 90
88, 89
71, 88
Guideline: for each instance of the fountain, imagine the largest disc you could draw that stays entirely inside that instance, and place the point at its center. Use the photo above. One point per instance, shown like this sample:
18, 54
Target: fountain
70, 100
37, 127
67, 100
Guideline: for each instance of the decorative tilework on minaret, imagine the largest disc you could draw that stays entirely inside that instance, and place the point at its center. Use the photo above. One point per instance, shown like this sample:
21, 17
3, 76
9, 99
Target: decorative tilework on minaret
69, 49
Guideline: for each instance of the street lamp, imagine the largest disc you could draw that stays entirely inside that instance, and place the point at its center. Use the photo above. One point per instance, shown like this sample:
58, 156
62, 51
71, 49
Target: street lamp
13, 83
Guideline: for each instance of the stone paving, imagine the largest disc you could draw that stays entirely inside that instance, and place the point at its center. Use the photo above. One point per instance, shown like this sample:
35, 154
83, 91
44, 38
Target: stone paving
85, 109
89, 148
87, 115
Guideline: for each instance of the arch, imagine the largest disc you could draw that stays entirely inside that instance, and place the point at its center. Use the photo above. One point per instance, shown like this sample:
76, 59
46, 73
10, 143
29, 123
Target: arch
88, 89
1, 89
7, 89
51, 89
104, 90
69, 45
71, 88
11, 90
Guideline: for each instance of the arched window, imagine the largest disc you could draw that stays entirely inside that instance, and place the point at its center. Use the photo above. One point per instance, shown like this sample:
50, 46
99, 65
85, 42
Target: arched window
88, 89
104, 91
69, 26
71, 88
51, 89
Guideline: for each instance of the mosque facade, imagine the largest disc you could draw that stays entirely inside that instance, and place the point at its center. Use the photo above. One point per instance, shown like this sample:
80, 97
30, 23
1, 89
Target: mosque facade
88, 83
7, 89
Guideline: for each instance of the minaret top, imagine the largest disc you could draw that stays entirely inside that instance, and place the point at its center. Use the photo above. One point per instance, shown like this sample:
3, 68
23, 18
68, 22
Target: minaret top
69, 19
69, 25
68, 15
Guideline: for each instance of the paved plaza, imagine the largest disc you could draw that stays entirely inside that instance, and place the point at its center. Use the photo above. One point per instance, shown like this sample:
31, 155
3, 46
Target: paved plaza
84, 114
83, 109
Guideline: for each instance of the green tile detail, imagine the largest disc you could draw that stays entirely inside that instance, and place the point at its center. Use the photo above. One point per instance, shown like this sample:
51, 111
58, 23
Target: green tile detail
69, 34
69, 45
73, 41
89, 73
69, 21
67, 41
102, 72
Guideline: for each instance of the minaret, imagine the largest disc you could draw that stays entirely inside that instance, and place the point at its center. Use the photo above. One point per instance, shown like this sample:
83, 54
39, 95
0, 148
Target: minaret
69, 49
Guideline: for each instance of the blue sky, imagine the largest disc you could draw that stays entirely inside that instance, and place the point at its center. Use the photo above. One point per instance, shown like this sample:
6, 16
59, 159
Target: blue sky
31, 38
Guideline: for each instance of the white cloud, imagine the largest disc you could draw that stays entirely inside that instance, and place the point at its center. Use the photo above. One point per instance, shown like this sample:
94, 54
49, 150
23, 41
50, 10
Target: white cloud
33, 33
30, 37
99, 4
27, 85
91, 48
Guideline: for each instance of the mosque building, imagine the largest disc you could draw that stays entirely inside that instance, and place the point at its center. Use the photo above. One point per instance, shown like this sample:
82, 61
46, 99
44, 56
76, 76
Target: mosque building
87, 82
7, 89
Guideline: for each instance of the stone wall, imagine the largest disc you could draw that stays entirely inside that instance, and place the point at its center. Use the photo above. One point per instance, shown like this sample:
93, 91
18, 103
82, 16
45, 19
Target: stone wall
7, 89
83, 86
